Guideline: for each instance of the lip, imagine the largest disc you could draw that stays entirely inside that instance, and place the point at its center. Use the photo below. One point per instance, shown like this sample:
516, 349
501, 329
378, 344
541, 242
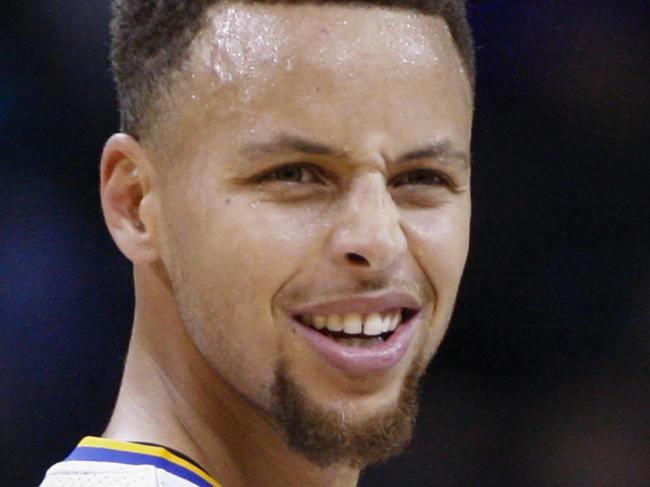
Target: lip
359, 361
377, 303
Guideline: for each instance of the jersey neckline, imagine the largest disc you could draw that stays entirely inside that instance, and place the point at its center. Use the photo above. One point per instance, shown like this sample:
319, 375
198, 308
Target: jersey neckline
96, 449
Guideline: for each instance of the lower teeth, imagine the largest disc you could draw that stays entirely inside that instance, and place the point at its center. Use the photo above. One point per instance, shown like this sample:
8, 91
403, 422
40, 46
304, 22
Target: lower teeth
360, 342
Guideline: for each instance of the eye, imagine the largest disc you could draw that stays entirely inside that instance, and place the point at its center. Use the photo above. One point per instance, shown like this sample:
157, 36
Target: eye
425, 177
292, 173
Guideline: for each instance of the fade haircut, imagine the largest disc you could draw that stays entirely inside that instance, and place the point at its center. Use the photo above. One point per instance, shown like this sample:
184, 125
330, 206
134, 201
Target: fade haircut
151, 40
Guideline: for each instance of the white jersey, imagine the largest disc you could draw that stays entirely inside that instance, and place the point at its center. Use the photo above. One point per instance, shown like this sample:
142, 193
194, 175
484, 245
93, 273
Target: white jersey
110, 463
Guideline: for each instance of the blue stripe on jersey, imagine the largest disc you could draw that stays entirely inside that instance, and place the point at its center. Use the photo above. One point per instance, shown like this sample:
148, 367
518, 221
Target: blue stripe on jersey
93, 454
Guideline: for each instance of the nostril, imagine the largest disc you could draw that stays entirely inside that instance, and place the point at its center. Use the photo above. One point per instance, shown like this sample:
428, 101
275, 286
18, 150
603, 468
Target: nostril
357, 259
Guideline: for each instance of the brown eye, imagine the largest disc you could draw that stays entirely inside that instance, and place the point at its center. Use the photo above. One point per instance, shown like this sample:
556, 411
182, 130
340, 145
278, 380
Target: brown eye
425, 177
294, 173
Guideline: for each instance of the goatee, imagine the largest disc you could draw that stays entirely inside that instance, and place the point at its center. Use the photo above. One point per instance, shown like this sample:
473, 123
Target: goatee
325, 437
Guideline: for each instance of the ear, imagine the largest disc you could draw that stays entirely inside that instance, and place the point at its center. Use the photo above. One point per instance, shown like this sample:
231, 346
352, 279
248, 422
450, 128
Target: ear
127, 199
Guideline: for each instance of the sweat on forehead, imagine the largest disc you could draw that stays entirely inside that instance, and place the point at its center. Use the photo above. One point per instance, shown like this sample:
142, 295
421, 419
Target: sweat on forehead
240, 39
284, 63
150, 42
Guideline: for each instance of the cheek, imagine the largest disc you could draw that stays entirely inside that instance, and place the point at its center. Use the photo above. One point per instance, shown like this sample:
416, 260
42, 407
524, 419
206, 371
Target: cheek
270, 240
266, 245
439, 240
234, 256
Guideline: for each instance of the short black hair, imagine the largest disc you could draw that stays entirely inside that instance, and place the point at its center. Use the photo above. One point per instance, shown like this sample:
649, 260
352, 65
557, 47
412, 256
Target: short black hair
151, 38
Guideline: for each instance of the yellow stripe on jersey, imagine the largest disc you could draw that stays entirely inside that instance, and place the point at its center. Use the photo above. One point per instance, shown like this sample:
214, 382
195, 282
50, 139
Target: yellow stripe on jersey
155, 451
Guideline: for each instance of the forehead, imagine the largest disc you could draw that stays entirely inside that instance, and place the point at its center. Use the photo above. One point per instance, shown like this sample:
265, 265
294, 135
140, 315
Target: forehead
304, 64
238, 37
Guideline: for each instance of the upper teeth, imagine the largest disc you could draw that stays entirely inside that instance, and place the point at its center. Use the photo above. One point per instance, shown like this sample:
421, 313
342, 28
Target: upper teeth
355, 323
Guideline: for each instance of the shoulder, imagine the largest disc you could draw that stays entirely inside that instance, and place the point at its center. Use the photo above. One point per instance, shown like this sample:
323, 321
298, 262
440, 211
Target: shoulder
109, 463
108, 474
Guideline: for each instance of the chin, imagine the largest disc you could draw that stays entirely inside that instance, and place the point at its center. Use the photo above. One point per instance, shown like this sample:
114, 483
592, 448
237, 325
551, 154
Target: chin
356, 432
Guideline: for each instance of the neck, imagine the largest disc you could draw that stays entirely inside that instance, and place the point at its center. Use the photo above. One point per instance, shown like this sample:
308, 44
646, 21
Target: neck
170, 395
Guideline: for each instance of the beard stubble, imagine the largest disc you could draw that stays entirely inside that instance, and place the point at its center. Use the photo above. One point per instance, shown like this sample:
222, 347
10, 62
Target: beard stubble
325, 437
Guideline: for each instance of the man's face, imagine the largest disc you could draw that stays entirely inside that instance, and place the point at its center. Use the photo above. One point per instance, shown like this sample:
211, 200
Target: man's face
317, 174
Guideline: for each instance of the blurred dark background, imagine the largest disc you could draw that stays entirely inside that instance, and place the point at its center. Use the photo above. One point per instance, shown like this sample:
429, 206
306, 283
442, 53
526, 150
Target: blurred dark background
544, 378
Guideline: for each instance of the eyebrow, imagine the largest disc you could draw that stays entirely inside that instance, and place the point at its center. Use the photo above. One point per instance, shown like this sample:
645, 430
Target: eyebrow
443, 149
286, 143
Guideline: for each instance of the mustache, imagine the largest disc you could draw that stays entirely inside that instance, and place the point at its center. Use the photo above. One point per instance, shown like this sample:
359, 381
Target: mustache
361, 287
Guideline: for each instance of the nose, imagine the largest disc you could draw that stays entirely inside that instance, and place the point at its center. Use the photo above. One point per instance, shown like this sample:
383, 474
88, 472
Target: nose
367, 234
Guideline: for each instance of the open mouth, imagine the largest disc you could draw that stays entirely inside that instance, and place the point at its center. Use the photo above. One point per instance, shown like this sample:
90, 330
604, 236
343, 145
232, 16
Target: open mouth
356, 329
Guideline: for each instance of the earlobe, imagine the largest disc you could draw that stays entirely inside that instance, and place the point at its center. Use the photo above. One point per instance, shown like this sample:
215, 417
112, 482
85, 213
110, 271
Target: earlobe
126, 195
